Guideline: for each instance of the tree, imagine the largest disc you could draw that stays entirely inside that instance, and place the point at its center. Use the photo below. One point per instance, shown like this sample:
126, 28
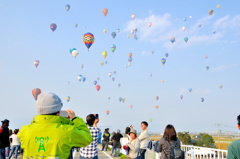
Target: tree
184, 137
205, 140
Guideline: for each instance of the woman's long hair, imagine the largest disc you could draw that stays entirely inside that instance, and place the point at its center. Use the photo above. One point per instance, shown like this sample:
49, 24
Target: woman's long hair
170, 133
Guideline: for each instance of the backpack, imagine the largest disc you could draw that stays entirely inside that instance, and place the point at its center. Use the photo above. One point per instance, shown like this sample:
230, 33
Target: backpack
175, 153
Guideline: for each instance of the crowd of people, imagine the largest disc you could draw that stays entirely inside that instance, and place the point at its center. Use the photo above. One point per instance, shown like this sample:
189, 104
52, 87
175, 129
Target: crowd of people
52, 135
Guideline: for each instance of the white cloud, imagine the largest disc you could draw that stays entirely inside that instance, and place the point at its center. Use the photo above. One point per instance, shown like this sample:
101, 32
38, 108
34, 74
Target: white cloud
222, 67
228, 22
202, 91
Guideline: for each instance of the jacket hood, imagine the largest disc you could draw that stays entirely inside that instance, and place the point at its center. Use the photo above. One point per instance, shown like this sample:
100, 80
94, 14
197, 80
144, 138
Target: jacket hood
51, 119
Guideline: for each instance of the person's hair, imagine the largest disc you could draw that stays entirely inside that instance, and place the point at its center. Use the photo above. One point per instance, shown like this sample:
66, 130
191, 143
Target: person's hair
170, 133
10, 132
238, 119
90, 119
145, 123
133, 133
127, 130
15, 131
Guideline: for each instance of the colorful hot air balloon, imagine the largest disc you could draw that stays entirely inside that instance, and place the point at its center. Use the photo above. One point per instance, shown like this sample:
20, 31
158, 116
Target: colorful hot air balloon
190, 17
104, 31
210, 12
104, 54
118, 30
97, 87
129, 59
214, 31
172, 39
207, 68
128, 36
53, 27
36, 92
102, 63
110, 74
163, 61
113, 35
131, 106
199, 25
156, 106
130, 55
202, 99
84, 79
181, 96
105, 11
36, 63
88, 40
120, 99
166, 55
206, 56
220, 86
186, 39
107, 112
113, 47
218, 6
68, 98
94, 82
76, 25
157, 97
149, 24
184, 28
67, 7
162, 81
190, 90
109, 98
82, 65
123, 100
133, 16
80, 77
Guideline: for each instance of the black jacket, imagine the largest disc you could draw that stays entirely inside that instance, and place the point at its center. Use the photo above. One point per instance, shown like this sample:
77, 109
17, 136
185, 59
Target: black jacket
106, 136
4, 138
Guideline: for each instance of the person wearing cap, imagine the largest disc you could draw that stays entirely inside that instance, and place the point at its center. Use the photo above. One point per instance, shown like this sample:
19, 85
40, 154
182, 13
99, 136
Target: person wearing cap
4, 137
144, 139
134, 145
116, 143
233, 148
106, 138
50, 135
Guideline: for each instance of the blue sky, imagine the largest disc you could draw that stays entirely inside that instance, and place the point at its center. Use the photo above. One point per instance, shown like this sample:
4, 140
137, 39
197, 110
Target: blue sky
26, 36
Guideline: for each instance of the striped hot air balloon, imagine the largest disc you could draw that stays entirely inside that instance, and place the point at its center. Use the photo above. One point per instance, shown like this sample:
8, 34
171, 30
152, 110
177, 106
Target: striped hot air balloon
53, 27
36, 92
88, 40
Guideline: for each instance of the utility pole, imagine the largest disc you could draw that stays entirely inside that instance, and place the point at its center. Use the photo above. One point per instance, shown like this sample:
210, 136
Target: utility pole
218, 135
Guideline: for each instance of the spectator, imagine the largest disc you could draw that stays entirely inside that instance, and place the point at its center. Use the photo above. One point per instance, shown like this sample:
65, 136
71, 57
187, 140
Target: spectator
134, 145
7, 149
144, 139
169, 138
4, 137
100, 137
127, 131
91, 151
106, 138
116, 143
50, 135
111, 141
131, 127
233, 148
15, 144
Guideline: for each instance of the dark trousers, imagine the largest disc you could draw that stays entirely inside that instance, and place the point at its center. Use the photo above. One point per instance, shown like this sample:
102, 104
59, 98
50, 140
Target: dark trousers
142, 153
2, 153
104, 145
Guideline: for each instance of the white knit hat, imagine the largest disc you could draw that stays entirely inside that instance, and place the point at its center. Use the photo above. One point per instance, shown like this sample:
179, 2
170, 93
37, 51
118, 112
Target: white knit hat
48, 103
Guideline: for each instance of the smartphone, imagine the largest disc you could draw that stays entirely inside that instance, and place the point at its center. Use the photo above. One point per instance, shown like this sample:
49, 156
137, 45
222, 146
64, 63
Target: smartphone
96, 116
64, 113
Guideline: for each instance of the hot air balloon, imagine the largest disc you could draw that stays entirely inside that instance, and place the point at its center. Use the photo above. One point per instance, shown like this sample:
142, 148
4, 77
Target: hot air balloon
110, 74
80, 77
172, 39
94, 82
190, 90
190, 17
98, 78
218, 6
107, 112
157, 97
113, 35
214, 31
150, 119
82, 65
67, 7
132, 31
135, 30
181, 96
186, 39
113, 79
88, 40
207, 68
156, 106
114, 72
152, 51
53, 27
119, 85
149, 24
202, 99
104, 54
206, 56
113, 47
129, 59
126, 66
150, 75
184, 28
75, 53
199, 25
68, 99
109, 98
123, 100
130, 55
210, 12
163, 61
105, 11
220, 86
120, 99
84, 79
184, 19
68, 83
128, 36
134, 35
36, 92
106, 62
118, 30
162, 81
97, 87
129, 64
104, 31
131, 106
133, 16
102, 63
36, 63
76, 25
166, 55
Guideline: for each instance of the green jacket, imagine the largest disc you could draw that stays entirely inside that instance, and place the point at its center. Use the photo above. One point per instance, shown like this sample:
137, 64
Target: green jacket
52, 137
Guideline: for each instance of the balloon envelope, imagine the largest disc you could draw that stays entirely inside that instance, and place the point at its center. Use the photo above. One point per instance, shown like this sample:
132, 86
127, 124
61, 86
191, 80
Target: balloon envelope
104, 31
113, 34
207, 67
36, 63
75, 53
53, 27
97, 87
166, 55
104, 54
80, 77
67, 7
190, 89
36, 92
163, 61
210, 12
105, 11
113, 47
88, 39
184, 28
118, 30
172, 39
202, 99
181, 96
120, 99
107, 112
157, 97
68, 99
186, 39
84, 79
133, 16
149, 24
157, 106
218, 6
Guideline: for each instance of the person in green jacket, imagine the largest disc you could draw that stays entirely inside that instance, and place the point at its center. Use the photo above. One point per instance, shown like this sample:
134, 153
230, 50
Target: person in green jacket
233, 148
50, 136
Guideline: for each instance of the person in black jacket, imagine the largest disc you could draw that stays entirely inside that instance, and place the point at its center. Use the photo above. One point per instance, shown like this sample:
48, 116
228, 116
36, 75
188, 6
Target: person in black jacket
4, 138
106, 138
116, 143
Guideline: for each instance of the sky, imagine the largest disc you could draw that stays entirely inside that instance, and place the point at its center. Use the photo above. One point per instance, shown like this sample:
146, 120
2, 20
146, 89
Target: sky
25, 36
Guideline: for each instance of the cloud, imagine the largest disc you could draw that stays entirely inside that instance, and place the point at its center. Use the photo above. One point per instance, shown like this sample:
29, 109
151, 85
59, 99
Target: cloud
228, 22
222, 67
202, 91
183, 91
